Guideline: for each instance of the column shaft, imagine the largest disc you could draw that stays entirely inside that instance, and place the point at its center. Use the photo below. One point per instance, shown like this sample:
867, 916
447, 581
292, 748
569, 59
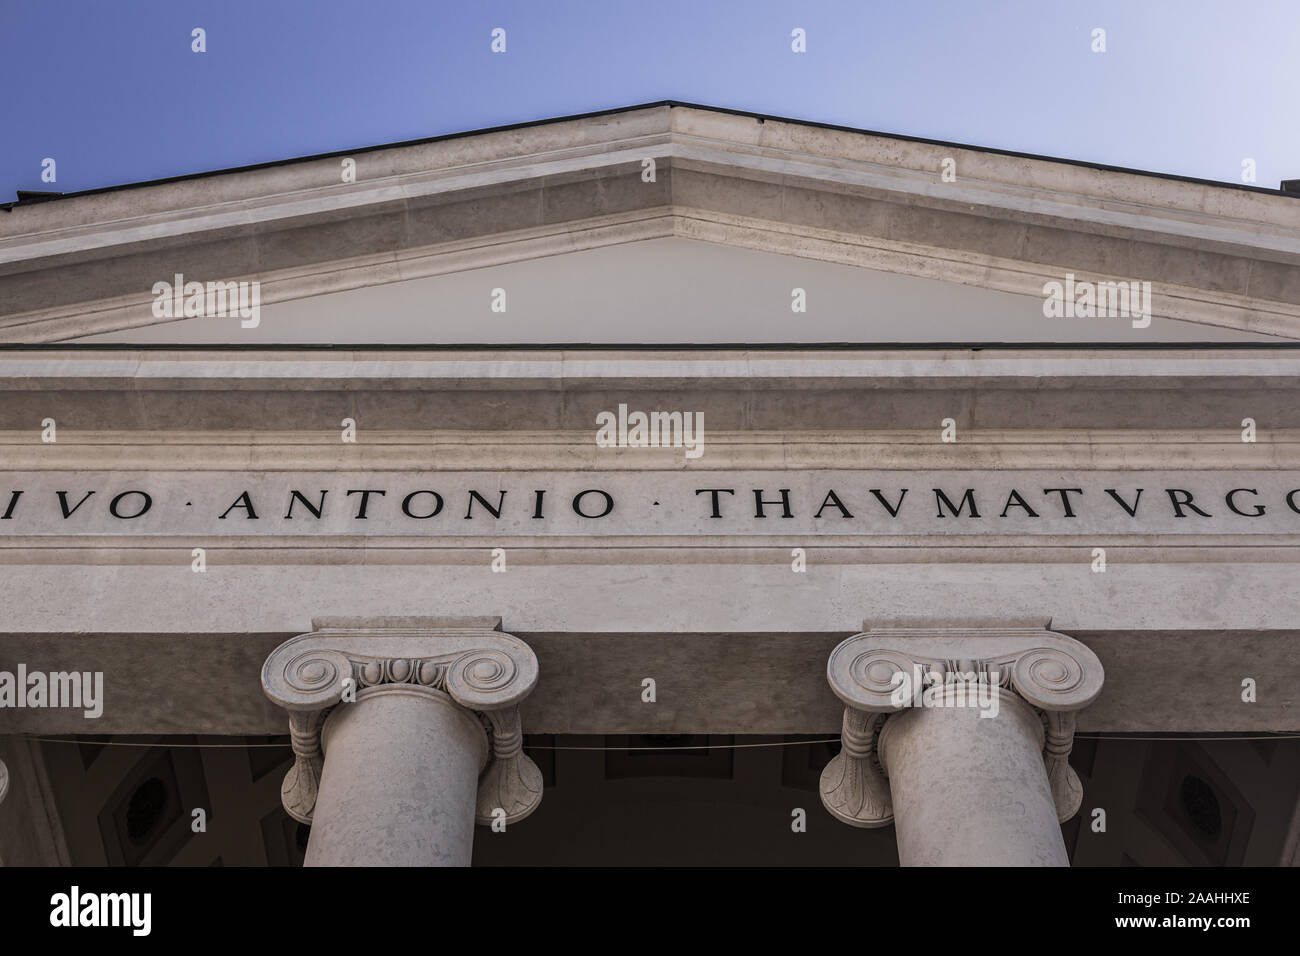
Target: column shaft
969, 790
400, 776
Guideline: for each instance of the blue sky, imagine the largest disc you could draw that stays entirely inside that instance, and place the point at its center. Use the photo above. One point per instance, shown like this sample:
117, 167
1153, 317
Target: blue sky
113, 92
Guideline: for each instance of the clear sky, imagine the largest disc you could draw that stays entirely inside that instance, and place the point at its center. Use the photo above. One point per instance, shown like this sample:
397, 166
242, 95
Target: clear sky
114, 94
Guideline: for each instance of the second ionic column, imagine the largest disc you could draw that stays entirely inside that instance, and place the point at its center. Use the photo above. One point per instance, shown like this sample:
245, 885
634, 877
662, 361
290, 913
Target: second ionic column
961, 739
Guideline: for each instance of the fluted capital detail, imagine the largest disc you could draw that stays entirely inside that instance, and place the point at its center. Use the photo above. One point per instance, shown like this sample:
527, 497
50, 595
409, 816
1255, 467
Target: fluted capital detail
882, 671
485, 671
853, 786
512, 782
4, 781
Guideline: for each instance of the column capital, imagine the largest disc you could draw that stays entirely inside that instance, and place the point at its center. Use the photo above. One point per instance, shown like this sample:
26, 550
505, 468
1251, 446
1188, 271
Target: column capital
885, 670
485, 671
4, 781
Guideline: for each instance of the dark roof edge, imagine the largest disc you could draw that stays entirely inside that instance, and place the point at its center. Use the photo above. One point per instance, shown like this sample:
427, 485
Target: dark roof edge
75, 346
761, 117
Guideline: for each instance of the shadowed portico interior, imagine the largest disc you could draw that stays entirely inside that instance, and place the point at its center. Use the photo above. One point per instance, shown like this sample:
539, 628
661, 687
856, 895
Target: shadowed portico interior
643, 799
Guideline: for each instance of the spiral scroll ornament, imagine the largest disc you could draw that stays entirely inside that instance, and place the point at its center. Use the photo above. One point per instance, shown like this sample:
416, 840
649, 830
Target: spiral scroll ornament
484, 671
310, 679
880, 672
491, 678
1053, 679
492, 681
872, 678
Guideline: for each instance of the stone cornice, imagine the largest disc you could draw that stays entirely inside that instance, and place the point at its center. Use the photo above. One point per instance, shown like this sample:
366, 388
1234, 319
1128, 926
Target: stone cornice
1010, 405
434, 369
1038, 186
1136, 449
482, 670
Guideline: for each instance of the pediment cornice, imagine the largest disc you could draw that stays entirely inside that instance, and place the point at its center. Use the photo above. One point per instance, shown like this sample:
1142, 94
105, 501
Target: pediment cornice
1215, 254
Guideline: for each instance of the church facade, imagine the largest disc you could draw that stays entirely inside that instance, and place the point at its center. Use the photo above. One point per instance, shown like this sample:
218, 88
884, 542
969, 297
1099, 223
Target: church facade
663, 485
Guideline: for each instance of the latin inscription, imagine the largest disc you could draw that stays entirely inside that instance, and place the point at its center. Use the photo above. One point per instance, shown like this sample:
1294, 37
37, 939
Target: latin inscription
679, 503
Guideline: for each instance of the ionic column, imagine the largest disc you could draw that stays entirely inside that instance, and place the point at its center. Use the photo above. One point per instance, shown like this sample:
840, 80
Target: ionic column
403, 739
961, 738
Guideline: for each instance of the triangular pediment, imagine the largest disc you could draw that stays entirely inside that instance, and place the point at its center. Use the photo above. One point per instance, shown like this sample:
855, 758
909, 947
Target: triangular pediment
658, 224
